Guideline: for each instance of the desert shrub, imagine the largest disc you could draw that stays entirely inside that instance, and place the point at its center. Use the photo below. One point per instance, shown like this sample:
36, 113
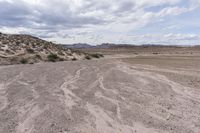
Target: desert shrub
17, 43
61, 59
52, 57
88, 57
155, 53
96, 55
38, 56
29, 50
74, 59
24, 61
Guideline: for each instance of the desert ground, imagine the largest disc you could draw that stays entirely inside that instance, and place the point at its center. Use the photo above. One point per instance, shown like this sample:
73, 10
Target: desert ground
117, 94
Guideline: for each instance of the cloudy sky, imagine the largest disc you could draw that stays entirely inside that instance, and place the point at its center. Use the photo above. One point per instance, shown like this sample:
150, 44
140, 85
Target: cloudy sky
99, 21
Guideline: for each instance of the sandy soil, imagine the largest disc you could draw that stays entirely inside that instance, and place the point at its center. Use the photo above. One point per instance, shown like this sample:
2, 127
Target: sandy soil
157, 94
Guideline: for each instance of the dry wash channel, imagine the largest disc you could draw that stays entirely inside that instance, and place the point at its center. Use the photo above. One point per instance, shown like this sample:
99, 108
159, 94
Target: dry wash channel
104, 96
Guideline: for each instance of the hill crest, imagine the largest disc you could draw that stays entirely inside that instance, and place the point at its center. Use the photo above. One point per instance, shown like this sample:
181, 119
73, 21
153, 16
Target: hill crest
16, 49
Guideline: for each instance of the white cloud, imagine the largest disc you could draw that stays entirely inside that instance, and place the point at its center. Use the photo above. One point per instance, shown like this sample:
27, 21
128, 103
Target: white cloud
58, 19
172, 11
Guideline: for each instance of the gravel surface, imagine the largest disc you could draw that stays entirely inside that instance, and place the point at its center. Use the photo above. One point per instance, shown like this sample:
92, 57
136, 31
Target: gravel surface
125, 95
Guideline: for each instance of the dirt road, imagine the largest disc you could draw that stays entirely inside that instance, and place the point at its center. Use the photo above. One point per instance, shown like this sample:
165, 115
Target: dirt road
99, 96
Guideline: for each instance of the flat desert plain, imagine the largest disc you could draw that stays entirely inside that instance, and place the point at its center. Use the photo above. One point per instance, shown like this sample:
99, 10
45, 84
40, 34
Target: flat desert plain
122, 94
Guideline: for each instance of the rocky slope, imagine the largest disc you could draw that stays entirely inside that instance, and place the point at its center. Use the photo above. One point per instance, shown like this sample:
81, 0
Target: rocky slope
16, 49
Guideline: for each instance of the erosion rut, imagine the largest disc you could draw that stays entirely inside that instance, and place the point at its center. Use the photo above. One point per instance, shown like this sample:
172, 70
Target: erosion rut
105, 96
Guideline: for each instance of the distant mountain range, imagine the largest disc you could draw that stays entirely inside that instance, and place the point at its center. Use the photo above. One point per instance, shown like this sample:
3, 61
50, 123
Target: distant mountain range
111, 45
88, 46
78, 46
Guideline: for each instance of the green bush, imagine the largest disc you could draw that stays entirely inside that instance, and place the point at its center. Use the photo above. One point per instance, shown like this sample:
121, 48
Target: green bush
52, 57
24, 61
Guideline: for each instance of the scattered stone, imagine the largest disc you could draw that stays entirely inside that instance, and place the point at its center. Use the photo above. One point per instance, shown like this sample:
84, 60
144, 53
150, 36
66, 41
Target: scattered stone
15, 48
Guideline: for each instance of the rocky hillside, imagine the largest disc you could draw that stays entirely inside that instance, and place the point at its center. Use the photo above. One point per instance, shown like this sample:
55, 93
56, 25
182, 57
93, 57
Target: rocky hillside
17, 49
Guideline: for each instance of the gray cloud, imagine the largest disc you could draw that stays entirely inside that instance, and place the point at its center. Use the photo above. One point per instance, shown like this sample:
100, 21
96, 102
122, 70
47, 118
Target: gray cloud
75, 18
58, 16
14, 14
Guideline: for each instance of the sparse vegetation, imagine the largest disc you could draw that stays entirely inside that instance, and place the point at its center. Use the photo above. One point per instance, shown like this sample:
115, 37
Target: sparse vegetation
155, 53
88, 57
96, 55
29, 50
61, 59
24, 61
19, 48
74, 59
38, 56
52, 57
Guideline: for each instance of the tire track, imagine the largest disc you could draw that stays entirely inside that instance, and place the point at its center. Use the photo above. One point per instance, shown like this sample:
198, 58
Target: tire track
3, 97
185, 98
70, 98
